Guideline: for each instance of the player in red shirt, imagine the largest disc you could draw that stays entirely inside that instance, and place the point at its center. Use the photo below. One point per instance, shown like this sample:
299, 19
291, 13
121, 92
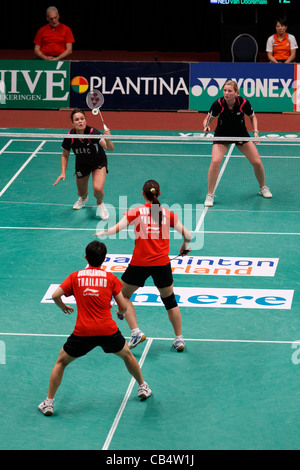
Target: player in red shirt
150, 257
53, 41
93, 289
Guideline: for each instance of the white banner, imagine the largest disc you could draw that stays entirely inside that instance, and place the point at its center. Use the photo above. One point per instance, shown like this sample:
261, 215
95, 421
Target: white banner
204, 265
206, 297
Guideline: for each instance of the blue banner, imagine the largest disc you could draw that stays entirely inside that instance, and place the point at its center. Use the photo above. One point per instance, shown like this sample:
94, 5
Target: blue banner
268, 87
132, 85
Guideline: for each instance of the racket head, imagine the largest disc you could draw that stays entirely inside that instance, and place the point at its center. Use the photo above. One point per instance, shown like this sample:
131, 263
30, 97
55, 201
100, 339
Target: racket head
94, 99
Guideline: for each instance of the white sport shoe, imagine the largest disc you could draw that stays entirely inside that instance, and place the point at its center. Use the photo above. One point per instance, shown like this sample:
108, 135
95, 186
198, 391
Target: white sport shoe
80, 203
46, 407
265, 192
144, 391
102, 211
209, 201
179, 345
136, 339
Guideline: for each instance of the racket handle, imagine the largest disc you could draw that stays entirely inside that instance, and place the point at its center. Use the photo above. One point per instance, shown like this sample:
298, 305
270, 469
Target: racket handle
185, 252
105, 127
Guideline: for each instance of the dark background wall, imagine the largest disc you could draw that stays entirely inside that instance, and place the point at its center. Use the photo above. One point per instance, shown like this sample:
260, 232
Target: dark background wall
161, 25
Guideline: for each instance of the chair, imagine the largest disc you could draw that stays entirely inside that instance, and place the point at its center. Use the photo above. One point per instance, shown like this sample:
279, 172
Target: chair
244, 49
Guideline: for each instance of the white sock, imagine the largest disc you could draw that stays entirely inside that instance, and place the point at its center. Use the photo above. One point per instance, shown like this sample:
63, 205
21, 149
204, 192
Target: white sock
50, 400
135, 331
178, 337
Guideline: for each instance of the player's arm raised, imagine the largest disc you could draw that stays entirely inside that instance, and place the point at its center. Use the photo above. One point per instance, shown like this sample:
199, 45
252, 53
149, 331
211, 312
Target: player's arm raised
107, 144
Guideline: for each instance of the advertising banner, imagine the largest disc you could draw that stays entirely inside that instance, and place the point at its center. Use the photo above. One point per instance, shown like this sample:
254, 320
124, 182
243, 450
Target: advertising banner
132, 85
268, 87
201, 297
146, 86
34, 84
204, 265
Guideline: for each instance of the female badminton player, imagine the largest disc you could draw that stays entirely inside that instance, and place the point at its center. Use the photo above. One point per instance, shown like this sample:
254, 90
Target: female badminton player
231, 110
152, 225
94, 323
90, 158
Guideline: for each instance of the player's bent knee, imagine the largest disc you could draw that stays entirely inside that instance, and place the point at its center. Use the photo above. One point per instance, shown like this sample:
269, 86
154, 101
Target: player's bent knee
169, 302
98, 192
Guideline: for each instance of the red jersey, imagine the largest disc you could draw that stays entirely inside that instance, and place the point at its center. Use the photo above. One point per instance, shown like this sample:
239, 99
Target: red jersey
53, 40
93, 289
151, 241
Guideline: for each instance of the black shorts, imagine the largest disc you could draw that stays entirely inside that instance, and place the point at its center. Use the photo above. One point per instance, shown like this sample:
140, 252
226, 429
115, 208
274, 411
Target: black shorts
77, 346
82, 171
229, 142
137, 275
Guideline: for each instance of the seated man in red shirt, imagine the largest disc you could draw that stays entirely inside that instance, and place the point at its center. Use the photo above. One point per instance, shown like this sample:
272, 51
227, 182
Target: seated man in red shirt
93, 289
54, 40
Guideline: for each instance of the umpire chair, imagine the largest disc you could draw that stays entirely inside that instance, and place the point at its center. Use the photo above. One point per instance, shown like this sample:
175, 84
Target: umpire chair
244, 48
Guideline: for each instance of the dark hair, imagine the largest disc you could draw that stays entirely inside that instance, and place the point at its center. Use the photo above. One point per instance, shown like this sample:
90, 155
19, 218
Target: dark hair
95, 253
76, 110
151, 190
282, 21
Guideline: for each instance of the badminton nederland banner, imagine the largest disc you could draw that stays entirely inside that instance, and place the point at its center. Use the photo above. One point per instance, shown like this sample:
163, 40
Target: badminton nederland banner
204, 265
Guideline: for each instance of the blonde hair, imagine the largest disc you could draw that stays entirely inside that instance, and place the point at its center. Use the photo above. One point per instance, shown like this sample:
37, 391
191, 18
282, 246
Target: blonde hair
233, 84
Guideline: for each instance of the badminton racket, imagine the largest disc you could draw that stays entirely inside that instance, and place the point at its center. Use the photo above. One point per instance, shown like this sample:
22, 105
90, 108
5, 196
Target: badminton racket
182, 253
94, 100
119, 315
210, 117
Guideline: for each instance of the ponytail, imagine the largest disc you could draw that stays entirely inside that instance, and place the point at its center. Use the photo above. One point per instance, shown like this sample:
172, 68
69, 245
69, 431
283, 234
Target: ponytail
151, 190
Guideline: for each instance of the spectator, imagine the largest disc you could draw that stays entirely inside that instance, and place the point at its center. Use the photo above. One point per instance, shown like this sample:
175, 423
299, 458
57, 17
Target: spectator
281, 47
54, 40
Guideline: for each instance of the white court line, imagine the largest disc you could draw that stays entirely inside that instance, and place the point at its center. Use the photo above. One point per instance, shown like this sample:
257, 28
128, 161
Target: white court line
125, 208
125, 400
131, 230
217, 232
22, 168
199, 340
201, 220
5, 146
185, 155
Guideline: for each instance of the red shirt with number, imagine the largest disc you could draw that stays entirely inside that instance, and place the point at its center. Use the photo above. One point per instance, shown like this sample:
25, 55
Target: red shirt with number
53, 40
151, 241
93, 289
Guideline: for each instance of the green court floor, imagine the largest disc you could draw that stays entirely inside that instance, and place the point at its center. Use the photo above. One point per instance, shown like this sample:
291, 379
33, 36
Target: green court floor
236, 384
